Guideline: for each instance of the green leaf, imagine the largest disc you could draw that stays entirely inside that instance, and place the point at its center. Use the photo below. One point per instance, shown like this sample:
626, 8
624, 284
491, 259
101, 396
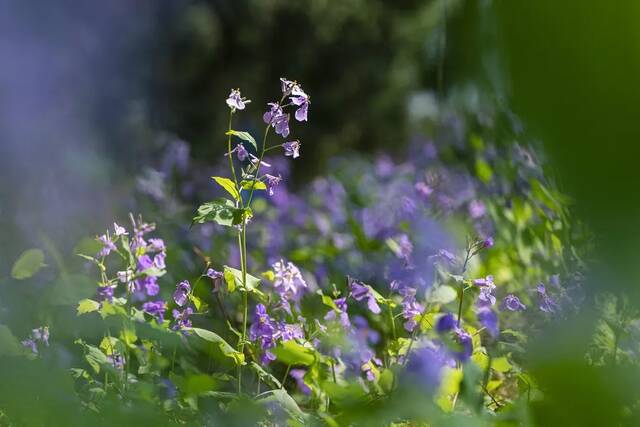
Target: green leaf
292, 353
224, 346
29, 263
266, 377
197, 384
87, 306
328, 301
501, 364
233, 277
256, 185
483, 170
9, 344
442, 295
222, 211
245, 136
286, 402
228, 185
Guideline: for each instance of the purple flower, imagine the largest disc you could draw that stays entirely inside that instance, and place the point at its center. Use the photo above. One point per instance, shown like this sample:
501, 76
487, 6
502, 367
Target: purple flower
213, 274
150, 285
341, 303
487, 288
40, 334
512, 303
465, 342
405, 247
107, 246
298, 375
156, 245
235, 101
125, 276
277, 119
446, 323
423, 189
488, 242
105, 293
264, 330
155, 309
301, 100
425, 366
547, 304
144, 262
288, 279
272, 182
360, 291
119, 231
182, 292
241, 152
31, 344
116, 360
489, 319
292, 149
410, 308
477, 209
158, 261
181, 318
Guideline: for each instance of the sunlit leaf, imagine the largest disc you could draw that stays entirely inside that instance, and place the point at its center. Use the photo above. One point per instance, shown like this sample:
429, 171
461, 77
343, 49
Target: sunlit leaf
28, 264
224, 346
228, 185
245, 136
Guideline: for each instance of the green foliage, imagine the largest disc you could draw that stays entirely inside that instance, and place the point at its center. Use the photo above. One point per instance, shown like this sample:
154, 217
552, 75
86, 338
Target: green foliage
29, 263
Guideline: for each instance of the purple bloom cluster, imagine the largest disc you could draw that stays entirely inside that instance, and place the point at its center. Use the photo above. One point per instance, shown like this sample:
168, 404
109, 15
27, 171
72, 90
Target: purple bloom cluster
235, 101
341, 304
268, 332
512, 303
38, 335
360, 291
155, 309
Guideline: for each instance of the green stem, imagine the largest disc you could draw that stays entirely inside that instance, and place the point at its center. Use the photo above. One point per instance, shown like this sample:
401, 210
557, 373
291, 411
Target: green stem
245, 297
461, 292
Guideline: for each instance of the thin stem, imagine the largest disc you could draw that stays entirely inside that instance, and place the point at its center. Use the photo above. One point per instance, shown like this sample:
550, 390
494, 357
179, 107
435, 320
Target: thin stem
245, 296
231, 167
461, 292
284, 378
393, 322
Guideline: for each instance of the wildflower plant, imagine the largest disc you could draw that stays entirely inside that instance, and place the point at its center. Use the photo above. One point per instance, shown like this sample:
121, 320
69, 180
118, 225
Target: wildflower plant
348, 296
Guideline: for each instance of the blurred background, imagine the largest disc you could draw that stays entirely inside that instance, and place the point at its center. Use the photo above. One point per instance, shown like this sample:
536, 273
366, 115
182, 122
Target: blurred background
102, 102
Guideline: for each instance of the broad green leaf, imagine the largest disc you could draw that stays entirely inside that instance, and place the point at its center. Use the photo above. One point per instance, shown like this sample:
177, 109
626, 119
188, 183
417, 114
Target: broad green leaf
29, 263
449, 386
224, 346
285, 401
292, 353
228, 185
245, 136
9, 344
233, 275
483, 170
87, 306
386, 380
265, 377
442, 294
501, 364
222, 211
108, 345
197, 384
256, 185
328, 301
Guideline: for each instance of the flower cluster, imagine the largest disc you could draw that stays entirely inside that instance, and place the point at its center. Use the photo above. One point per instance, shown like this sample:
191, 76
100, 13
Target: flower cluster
38, 335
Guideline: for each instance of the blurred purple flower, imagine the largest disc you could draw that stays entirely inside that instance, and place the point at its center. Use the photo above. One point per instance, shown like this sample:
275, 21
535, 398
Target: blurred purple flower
446, 323
155, 309
119, 231
477, 209
547, 304
107, 245
181, 293
489, 319
512, 303
272, 182
181, 318
288, 280
341, 303
360, 291
298, 375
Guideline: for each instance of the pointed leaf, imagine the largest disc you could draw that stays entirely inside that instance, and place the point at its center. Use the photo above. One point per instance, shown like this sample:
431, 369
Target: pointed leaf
29, 263
245, 136
228, 185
